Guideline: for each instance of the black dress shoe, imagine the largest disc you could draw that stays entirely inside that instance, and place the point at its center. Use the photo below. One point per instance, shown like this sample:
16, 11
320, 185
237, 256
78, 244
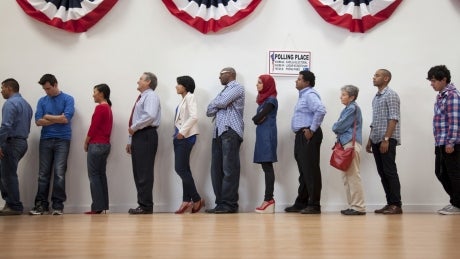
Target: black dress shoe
211, 211
311, 210
293, 208
224, 210
352, 212
139, 210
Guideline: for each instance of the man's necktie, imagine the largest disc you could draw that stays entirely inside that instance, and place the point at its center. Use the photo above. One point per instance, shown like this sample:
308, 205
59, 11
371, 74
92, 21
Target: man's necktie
132, 111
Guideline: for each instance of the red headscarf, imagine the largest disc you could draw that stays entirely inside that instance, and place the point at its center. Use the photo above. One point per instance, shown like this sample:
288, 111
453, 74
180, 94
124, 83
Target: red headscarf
268, 90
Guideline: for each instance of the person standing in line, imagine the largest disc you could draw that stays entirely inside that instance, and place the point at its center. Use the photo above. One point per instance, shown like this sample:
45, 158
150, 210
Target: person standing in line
143, 141
54, 114
308, 115
350, 123
446, 130
227, 110
385, 135
266, 137
14, 131
97, 146
185, 135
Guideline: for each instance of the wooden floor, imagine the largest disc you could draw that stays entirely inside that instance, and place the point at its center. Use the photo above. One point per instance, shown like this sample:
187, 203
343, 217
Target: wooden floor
243, 235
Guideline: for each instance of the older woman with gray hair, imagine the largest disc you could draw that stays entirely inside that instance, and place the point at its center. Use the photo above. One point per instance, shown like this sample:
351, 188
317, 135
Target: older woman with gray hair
344, 129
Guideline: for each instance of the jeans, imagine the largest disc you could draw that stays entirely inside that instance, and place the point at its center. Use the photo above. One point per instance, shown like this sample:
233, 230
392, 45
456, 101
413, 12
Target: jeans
144, 144
182, 150
447, 169
53, 156
225, 169
13, 150
96, 163
386, 167
307, 155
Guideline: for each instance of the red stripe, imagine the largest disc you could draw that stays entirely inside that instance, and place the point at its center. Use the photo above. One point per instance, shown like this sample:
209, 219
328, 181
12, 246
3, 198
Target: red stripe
347, 21
212, 25
80, 25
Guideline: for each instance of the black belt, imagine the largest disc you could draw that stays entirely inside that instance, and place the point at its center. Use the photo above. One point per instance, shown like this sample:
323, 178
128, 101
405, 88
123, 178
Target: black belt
149, 127
300, 131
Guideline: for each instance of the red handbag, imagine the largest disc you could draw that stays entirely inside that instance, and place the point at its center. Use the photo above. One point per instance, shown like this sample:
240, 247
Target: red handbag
341, 158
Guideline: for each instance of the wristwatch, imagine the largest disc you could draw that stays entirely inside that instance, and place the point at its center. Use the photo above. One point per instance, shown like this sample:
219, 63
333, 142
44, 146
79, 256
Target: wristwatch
386, 139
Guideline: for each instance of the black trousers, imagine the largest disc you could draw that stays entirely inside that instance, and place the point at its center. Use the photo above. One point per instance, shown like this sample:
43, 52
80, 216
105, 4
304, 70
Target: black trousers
388, 172
144, 144
307, 155
447, 169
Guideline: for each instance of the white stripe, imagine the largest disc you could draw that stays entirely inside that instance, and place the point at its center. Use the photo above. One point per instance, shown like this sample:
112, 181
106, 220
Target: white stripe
212, 12
51, 11
358, 12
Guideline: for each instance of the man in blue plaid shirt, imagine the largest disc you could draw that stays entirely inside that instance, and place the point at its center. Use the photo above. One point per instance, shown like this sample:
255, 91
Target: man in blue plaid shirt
446, 130
384, 137
227, 112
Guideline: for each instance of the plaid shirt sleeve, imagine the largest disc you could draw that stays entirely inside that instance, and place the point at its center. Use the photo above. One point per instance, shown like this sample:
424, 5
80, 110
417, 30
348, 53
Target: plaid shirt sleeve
453, 118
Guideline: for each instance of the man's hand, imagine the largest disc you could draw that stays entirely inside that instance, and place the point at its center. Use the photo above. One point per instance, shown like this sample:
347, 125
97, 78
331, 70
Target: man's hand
128, 149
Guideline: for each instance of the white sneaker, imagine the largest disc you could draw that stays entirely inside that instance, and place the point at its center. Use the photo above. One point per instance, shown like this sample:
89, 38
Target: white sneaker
449, 210
58, 212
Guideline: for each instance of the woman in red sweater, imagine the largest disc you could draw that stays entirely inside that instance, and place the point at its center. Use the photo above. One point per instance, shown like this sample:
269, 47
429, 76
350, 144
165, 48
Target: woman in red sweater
97, 146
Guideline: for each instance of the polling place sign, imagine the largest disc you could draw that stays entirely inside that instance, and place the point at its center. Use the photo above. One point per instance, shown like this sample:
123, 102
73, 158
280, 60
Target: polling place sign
288, 63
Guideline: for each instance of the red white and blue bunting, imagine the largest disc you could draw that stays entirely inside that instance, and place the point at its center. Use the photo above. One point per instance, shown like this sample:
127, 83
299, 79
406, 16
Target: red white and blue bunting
355, 15
69, 15
211, 15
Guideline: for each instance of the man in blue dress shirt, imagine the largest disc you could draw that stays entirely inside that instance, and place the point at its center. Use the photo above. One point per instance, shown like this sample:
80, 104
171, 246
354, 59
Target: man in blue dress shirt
16, 118
308, 115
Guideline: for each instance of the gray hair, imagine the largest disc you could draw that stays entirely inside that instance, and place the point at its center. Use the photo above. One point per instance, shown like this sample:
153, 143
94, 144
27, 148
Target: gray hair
351, 90
153, 79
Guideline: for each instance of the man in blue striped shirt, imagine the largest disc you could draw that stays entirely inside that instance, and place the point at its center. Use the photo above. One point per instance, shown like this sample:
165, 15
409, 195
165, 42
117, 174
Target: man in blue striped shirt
308, 115
227, 109
446, 130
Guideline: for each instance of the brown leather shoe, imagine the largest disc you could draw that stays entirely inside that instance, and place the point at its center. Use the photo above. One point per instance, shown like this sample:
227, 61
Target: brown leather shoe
380, 211
392, 209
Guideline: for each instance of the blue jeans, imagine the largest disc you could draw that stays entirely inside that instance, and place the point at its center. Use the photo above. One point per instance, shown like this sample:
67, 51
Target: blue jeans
182, 150
96, 161
13, 150
225, 169
53, 155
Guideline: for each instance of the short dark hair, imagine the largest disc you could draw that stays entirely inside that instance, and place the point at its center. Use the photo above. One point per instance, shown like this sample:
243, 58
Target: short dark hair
153, 79
308, 76
48, 78
105, 90
11, 82
439, 73
187, 82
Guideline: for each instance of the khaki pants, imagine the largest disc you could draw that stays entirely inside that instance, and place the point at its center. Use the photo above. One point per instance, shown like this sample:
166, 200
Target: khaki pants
352, 181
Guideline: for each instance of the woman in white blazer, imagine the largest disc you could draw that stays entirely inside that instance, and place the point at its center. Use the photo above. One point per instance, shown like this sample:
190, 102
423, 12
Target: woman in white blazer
185, 133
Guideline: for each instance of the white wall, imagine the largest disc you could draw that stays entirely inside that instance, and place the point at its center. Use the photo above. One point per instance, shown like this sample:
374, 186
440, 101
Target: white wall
141, 35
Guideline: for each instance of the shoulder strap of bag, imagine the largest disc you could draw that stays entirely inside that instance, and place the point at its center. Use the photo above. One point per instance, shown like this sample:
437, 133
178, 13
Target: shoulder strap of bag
354, 125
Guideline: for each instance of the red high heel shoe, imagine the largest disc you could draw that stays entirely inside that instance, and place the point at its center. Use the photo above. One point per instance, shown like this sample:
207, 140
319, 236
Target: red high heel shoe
268, 207
201, 205
184, 207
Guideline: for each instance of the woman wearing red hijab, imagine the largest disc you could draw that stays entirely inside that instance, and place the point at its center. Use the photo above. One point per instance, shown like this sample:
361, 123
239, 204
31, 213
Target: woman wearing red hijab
266, 137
